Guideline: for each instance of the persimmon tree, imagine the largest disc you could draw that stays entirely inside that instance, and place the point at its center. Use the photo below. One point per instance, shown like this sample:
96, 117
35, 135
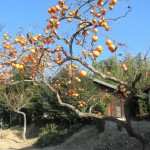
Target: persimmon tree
70, 41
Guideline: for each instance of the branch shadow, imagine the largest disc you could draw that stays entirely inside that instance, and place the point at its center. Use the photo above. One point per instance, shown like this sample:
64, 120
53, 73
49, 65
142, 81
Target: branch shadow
33, 146
12, 140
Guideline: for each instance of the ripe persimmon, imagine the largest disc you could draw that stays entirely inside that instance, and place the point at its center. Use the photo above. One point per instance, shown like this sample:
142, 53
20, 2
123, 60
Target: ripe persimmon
49, 10
100, 3
107, 28
46, 31
104, 24
124, 67
112, 47
83, 73
69, 20
7, 38
32, 51
53, 9
90, 54
108, 42
61, 2
58, 8
51, 20
113, 2
21, 67
94, 38
99, 21
96, 53
65, 8
55, 16
17, 66
103, 19
70, 14
83, 51
87, 32
94, 20
48, 64
98, 15
5, 35
91, 11
99, 48
95, 30
78, 42
103, 12
111, 7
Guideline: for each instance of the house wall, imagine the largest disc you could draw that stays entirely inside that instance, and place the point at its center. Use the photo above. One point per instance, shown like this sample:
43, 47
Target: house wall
111, 110
113, 107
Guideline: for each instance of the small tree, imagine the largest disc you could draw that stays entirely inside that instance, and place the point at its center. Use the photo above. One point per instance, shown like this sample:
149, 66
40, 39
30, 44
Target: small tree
17, 97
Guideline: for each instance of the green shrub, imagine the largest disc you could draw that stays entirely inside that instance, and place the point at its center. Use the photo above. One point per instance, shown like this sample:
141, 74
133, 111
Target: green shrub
49, 136
6, 126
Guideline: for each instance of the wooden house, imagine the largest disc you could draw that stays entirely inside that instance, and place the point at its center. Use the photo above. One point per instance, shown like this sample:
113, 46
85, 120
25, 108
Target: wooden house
147, 90
116, 106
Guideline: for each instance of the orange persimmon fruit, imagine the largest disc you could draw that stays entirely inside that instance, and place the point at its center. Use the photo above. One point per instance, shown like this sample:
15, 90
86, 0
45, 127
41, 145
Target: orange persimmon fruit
96, 53
83, 73
94, 38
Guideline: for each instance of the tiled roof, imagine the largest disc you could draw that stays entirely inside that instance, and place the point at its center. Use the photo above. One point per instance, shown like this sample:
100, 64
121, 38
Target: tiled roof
146, 89
105, 84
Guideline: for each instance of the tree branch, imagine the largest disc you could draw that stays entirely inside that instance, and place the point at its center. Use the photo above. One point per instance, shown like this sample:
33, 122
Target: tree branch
137, 78
115, 19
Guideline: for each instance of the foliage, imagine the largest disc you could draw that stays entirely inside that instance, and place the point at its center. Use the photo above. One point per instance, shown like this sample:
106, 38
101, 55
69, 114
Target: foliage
135, 65
86, 94
52, 134
3, 109
49, 135
39, 102
144, 107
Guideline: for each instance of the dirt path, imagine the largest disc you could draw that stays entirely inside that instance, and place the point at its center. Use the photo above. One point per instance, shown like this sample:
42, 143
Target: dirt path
7, 144
88, 138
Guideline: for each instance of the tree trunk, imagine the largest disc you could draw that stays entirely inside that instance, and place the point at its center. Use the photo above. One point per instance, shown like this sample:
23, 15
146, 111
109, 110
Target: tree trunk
24, 125
126, 108
128, 125
10, 119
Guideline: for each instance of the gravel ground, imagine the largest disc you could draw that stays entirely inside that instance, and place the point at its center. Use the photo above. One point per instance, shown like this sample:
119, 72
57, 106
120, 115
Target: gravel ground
89, 138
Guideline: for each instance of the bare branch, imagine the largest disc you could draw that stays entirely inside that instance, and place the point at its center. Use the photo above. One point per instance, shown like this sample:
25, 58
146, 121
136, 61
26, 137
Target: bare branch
115, 19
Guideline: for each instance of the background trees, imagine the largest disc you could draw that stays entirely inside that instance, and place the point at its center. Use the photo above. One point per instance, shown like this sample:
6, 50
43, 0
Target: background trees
136, 65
